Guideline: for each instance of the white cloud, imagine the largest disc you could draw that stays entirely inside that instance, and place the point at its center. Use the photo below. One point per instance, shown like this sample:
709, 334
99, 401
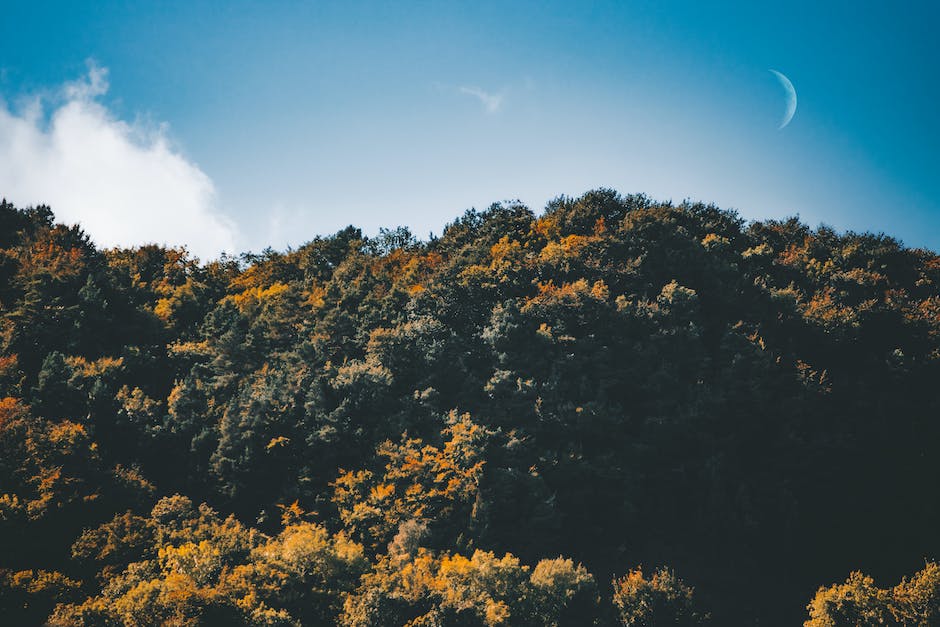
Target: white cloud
88, 87
490, 102
123, 182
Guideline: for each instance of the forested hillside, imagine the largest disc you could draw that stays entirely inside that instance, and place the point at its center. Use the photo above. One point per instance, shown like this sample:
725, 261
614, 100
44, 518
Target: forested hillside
615, 412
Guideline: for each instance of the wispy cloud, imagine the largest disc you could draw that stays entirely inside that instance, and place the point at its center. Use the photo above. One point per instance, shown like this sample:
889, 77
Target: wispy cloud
123, 182
491, 102
88, 87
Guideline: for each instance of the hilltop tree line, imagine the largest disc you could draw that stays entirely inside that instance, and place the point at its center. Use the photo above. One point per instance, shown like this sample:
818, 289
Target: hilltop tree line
615, 412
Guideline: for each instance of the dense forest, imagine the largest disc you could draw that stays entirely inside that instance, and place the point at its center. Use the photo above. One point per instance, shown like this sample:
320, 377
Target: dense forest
615, 412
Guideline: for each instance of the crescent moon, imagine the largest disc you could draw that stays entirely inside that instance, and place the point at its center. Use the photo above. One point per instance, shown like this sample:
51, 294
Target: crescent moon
791, 98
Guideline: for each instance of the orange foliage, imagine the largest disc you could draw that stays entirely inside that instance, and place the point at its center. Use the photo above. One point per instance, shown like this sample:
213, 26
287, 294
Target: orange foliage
254, 296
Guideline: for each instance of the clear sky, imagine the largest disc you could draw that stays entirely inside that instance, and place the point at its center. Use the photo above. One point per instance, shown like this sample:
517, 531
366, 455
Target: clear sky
238, 125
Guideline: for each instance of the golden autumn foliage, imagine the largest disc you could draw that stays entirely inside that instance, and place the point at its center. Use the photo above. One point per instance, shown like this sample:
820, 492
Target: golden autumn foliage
914, 602
254, 296
662, 599
420, 482
186, 566
484, 589
51, 459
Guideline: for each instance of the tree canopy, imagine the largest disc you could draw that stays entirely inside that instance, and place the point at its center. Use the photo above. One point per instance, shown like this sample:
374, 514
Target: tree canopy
615, 412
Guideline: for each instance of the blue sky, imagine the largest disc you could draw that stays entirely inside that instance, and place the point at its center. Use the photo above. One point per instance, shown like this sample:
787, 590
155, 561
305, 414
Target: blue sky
237, 125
